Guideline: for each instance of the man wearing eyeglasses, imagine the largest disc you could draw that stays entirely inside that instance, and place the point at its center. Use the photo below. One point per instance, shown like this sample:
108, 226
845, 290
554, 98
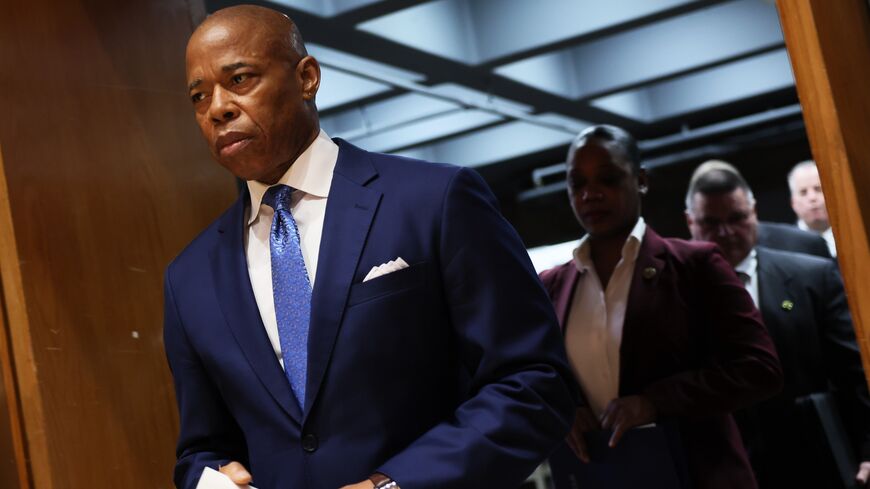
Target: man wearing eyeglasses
791, 439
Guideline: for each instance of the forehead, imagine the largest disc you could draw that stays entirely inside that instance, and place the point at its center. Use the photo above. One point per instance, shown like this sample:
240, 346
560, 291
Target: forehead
223, 42
599, 152
722, 202
807, 175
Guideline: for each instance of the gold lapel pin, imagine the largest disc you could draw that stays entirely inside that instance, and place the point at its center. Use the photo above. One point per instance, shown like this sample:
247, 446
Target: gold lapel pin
787, 305
649, 273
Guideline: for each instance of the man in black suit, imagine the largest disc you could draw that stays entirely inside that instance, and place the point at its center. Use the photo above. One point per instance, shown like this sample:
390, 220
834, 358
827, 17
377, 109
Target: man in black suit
771, 234
803, 304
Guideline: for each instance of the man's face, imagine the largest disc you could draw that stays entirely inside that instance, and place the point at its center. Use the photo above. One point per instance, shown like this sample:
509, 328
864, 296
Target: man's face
253, 100
603, 189
727, 219
807, 198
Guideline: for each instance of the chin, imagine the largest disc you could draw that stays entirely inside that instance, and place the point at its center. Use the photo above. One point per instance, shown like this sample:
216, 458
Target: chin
243, 170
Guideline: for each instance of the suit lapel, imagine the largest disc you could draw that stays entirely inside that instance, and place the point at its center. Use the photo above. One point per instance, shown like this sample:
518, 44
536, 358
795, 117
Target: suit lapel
641, 296
568, 278
773, 288
350, 209
237, 302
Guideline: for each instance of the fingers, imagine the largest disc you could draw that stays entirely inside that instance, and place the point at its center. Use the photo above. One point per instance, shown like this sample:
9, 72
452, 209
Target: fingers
237, 473
624, 414
578, 445
611, 412
613, 418
863, 473
584, 421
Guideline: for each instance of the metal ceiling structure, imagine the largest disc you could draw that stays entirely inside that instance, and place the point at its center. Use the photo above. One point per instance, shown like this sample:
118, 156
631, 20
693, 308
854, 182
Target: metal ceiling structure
504, 85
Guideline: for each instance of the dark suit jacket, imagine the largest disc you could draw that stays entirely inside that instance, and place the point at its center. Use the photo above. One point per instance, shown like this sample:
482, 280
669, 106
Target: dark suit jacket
791, 238
817, 348
449, 373
694, 344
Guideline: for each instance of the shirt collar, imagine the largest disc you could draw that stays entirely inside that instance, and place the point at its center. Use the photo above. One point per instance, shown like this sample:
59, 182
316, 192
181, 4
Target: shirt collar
630, 250
311, 173
749, 265
802, 225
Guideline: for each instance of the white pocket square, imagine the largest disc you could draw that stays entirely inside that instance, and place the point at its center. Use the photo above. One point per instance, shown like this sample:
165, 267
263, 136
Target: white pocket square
388, 267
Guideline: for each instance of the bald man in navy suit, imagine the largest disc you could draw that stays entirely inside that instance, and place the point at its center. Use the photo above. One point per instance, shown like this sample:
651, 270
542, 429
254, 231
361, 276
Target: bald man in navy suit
355, 319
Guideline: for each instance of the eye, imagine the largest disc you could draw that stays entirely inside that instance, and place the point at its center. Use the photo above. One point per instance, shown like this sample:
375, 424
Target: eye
709, 223
737, 218
611, 179
239, 78
196, 97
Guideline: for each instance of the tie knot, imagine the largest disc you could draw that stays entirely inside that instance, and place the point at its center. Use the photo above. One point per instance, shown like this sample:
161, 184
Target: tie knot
278, 197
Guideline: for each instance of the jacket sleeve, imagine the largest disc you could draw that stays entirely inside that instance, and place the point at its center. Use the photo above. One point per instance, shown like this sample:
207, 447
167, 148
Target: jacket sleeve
843, 359
209, 435
520, 407
738, 365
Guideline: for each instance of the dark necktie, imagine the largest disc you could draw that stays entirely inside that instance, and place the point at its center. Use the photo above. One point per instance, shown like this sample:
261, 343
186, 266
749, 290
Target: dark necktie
291, 289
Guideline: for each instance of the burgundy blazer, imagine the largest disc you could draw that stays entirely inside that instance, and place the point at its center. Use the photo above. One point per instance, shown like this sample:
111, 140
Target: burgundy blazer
693, 343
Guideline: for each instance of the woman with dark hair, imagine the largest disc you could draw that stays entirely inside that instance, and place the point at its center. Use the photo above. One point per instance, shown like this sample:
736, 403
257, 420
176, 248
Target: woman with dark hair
656, 329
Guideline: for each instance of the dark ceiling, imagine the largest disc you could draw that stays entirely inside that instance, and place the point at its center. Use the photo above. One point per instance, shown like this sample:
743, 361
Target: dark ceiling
504, 85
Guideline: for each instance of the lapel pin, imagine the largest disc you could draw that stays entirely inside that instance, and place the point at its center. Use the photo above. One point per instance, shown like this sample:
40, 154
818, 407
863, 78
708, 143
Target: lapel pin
649, 273
787, 305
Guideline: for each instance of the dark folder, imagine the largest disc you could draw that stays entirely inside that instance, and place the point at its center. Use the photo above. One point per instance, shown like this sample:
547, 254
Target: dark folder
835, 435
646, 457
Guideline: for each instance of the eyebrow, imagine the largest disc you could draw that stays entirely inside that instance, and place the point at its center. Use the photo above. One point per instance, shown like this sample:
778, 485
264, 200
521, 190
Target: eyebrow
225, 69
194, 84
234, 66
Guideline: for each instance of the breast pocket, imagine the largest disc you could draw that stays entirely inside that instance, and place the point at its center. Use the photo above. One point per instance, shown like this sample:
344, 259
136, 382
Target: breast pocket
389, 284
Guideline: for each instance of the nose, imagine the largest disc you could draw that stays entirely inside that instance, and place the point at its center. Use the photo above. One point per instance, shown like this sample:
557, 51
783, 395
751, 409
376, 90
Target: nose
590, 194
724, 229
222, 107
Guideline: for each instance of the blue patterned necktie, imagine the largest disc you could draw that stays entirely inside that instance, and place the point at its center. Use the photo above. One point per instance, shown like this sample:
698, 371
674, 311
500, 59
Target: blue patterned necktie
290, 288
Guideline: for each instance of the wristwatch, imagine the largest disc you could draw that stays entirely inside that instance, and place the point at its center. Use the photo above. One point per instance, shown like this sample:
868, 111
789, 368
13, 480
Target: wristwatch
383, 482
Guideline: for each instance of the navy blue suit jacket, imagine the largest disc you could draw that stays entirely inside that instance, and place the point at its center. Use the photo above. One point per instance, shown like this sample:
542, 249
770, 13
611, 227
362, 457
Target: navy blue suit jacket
448, 374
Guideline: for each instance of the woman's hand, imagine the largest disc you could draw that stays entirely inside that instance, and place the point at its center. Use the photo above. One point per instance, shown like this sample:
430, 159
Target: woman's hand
626, 413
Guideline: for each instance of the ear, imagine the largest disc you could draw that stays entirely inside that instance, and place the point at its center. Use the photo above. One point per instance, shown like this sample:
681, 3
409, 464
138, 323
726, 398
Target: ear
689, 220
642, 181
308, 76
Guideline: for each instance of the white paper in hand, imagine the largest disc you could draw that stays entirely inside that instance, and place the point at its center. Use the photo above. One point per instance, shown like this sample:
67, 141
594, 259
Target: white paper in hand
212, 479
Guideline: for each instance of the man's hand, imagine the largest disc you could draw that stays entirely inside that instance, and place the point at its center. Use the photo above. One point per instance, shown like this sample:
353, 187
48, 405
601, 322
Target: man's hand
625, 413
584, 421
366, 484
863, 474
237, 473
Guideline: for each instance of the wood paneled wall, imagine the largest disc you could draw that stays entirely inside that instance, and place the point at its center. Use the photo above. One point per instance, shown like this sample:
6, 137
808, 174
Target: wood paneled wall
104, 179
829, 46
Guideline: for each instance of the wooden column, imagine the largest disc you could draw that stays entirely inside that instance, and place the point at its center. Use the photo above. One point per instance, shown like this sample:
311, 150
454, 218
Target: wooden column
829, 46
104, 177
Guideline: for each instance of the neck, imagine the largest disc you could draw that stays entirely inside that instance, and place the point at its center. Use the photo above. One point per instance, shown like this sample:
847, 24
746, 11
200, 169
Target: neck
609, 247
819, 227
273, 177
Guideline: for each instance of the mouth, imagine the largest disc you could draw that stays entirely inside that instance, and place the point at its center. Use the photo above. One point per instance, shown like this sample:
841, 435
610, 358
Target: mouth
232, 142
594, 215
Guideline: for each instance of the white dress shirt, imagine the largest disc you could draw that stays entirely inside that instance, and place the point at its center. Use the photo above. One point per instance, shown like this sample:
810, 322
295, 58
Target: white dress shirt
747, 270
593, 331
827, 234
311, 176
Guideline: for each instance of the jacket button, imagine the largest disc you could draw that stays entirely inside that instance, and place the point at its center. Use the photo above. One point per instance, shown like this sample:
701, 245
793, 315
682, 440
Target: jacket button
309, 443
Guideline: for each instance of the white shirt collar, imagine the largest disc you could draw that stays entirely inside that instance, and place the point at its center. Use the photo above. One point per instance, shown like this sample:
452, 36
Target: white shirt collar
311, 173
582, 254
749, 265
802, 225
